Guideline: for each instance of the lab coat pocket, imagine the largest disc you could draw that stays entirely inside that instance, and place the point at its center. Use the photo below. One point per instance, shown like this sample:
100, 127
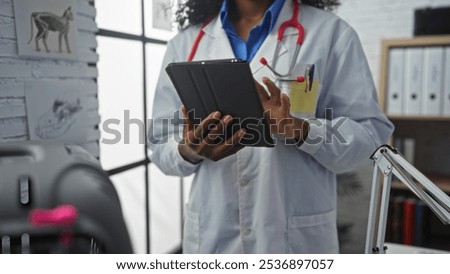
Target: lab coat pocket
191, 232
313, 233
303, 95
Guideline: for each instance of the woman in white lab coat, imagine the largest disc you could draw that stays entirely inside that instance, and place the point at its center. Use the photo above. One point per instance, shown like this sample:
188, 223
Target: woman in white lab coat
280, 199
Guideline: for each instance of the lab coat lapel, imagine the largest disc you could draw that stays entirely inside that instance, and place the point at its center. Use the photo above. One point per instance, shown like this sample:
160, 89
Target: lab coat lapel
267, 49
216, 44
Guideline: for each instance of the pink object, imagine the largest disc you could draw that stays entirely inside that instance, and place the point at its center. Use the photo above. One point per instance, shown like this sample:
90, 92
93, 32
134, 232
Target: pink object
63, 215
263, 61
300, 79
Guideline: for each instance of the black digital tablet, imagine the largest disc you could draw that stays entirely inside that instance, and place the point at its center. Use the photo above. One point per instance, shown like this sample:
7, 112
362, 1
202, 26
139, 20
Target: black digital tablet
225, 85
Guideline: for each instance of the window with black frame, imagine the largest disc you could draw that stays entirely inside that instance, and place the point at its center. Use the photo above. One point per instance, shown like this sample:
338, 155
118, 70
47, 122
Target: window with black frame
132, 40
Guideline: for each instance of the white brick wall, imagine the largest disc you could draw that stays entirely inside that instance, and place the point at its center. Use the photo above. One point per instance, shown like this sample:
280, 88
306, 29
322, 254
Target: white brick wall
375, 20
15, 70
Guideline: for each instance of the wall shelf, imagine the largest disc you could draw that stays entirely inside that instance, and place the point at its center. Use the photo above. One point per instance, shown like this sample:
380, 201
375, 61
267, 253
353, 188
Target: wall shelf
425, 139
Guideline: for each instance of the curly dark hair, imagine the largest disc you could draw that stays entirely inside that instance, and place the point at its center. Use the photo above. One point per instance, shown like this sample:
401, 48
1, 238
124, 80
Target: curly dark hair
193, 12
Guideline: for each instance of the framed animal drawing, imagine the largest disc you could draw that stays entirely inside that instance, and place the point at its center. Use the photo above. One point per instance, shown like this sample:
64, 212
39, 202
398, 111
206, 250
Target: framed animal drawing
160, 19
162, 14
46, 28
58, 111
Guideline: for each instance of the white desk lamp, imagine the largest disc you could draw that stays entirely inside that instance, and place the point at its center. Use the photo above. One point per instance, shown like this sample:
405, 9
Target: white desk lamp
388, 161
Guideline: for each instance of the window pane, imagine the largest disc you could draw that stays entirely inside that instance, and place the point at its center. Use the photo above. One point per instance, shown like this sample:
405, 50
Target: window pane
120, 84
165, 191
165, 211
160, 19
130, 186
154, 56
119, 15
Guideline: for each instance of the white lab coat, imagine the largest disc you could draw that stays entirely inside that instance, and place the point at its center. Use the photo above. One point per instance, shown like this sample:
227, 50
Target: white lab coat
281, 199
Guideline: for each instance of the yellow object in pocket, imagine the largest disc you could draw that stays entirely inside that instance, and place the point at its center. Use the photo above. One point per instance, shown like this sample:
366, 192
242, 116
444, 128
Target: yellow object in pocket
302, 101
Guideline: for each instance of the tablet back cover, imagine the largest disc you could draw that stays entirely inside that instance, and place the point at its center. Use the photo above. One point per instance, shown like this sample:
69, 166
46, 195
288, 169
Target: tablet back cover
226, 86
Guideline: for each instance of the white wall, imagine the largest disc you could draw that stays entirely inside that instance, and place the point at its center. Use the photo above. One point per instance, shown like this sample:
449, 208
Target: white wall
375, 20
15, 70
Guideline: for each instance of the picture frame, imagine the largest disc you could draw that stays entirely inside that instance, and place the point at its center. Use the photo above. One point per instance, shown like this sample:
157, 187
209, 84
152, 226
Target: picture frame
46, 28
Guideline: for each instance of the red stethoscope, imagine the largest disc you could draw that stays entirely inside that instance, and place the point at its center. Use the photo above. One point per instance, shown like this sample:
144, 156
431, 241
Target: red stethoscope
292, 22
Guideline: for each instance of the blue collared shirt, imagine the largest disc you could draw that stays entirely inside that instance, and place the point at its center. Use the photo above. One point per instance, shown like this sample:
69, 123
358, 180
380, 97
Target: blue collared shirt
247, 50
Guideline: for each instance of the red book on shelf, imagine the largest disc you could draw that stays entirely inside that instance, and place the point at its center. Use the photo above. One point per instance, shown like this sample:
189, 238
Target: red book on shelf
408, 221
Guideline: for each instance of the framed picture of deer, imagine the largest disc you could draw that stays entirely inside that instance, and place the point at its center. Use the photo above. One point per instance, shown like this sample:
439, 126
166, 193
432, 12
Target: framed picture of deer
46, 28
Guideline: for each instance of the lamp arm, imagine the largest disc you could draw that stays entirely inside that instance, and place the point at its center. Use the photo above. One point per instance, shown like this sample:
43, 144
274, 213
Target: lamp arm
388, 162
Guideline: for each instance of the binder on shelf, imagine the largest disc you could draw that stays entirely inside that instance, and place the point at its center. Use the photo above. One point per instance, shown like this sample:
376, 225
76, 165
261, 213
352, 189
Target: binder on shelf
409, 149
397, 219
408, 221
420, 220
395, 82
413, 80
446, 90
432, 81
